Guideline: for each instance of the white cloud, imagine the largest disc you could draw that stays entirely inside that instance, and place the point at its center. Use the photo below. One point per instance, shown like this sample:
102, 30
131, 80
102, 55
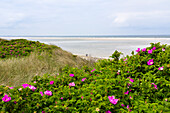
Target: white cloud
83, 16
120, 19
141, 19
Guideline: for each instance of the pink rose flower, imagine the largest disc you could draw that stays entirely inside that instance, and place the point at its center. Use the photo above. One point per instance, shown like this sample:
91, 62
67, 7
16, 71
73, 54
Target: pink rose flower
51, 82
108, 112
161, 68
83, 79
93, 70
154, 48
154, 85
128, 108
25, 85
131, 80
150, 62
72, 75
138, 50
11, 87
144, 49
150, 51
41, 93
113, 100
127, 92
125, 59
49, 93
72, 84
163, 49
6, 98
122, 105
128, 84
32, 87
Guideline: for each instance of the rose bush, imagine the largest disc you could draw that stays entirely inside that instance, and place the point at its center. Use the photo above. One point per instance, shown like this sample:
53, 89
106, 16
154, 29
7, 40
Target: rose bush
21, 47
136, 84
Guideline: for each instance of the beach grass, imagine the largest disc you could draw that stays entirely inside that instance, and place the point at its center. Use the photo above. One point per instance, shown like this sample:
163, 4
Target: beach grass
15, 71
2, 39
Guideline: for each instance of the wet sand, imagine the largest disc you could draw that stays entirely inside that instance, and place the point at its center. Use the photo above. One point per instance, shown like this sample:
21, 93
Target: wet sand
99, 47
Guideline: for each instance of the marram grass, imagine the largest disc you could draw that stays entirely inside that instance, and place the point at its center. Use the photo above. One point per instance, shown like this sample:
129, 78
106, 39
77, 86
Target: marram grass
19, 63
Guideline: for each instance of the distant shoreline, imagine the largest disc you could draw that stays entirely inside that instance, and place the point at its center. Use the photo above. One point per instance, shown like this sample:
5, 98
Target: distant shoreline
119, 36
96, 46
84, 38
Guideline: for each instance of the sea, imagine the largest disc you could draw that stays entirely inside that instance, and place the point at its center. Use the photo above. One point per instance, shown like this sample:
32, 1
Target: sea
98, 46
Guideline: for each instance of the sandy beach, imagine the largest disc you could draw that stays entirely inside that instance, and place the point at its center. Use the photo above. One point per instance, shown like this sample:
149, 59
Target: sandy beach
99, 47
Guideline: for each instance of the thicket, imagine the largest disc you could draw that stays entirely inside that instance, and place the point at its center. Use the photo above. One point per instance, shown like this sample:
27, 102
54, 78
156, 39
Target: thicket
137, 84
22, 47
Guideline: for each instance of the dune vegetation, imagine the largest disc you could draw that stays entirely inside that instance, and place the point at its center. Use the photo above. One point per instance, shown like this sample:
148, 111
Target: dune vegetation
21, 60
137, 84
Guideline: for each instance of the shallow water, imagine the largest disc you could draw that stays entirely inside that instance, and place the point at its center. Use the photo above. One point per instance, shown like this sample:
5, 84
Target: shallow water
98, 47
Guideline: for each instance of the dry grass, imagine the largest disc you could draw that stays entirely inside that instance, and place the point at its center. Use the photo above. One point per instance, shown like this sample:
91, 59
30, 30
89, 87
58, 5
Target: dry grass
2, 39
16, 71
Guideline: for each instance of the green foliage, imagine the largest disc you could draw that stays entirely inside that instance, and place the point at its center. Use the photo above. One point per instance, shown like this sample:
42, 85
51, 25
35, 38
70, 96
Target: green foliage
21, 47
116, 55
107, 78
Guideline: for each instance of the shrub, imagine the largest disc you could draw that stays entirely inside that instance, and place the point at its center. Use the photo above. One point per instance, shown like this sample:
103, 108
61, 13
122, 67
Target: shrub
127, 85
21, 47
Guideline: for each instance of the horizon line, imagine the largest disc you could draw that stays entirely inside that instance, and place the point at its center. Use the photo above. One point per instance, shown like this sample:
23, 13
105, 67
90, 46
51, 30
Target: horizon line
166, 35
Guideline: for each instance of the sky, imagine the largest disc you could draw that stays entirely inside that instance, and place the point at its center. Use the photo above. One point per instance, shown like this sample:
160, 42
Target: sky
84, 17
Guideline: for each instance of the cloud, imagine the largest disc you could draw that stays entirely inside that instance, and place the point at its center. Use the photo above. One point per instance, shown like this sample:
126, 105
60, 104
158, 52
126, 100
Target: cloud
141, 19
37, 17
120, 19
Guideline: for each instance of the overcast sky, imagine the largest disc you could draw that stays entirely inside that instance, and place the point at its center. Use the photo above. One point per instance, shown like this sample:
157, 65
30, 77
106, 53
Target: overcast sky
84, 17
